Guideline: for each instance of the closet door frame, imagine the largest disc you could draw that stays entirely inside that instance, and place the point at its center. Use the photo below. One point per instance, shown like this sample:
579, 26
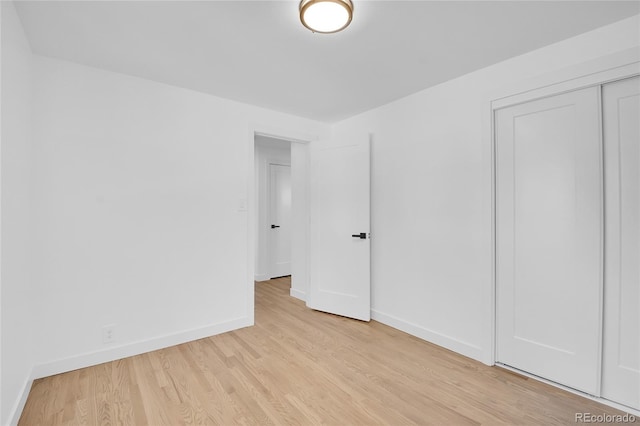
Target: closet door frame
543, 288
620, 375
598, 72
604, 70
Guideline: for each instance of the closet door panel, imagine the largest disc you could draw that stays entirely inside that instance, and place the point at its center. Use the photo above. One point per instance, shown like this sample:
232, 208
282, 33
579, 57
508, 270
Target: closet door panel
621, 353
549, 244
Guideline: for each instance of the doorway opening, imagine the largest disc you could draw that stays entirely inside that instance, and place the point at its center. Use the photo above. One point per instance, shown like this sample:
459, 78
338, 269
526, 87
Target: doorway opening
334, 204
273, 208
280, 161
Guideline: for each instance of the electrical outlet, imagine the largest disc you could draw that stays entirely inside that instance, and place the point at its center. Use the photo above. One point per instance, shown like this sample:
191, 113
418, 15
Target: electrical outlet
109, 333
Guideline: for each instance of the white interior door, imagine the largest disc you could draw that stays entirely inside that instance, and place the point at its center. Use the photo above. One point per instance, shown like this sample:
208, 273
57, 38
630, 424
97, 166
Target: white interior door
621, 354
280, 217
340, 245
549, 227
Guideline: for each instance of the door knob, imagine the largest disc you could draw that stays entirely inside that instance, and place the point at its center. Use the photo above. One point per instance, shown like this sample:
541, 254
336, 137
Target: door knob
275, 226
362, 235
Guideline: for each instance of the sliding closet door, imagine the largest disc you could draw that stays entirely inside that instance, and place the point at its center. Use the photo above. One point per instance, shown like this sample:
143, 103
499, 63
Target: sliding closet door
621, 355
549, 227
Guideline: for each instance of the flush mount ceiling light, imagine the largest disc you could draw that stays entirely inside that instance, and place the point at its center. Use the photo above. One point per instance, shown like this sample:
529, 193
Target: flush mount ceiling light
326, 16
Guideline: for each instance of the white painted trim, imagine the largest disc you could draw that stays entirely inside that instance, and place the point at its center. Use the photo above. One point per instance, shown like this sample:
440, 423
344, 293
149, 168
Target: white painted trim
602, 236
447, 342
602, 401
251, 224
280, 133
298, 294
272, 132
612, 67
489, 218
261, 277
136, 348
277, 162
1, 145
16, 411
617, 66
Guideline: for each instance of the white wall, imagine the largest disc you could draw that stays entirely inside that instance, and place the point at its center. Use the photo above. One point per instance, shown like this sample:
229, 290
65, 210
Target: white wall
16, 297
431, 197
265, 154
300, 169
138, 188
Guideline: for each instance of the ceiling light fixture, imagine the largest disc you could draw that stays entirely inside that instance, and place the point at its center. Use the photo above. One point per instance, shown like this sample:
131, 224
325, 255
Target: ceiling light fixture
326, 16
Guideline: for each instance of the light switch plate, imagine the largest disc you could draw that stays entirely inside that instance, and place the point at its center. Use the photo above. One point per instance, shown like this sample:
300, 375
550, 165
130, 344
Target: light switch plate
242, 204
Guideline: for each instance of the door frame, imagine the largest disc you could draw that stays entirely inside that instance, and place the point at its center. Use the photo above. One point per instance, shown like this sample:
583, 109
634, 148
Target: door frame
617, 66
269, 208
610, 68
249, 202
614, 184
590, 353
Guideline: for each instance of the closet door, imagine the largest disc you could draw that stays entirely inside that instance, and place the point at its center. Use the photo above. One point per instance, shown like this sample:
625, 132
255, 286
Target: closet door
621, 354
548, 241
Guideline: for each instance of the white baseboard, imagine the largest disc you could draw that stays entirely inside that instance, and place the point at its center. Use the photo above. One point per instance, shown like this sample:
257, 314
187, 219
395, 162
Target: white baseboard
298, 294
601, 400
261, 277
136, 348
448, 342
16, 412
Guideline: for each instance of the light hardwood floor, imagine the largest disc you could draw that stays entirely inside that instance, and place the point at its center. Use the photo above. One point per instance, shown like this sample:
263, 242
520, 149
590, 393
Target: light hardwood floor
298, 366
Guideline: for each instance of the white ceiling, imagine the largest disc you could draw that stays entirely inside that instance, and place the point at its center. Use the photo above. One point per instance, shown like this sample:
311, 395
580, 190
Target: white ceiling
258, 52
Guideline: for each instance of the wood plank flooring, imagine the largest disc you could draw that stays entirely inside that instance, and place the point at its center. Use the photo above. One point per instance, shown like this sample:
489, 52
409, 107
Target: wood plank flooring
297, 366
